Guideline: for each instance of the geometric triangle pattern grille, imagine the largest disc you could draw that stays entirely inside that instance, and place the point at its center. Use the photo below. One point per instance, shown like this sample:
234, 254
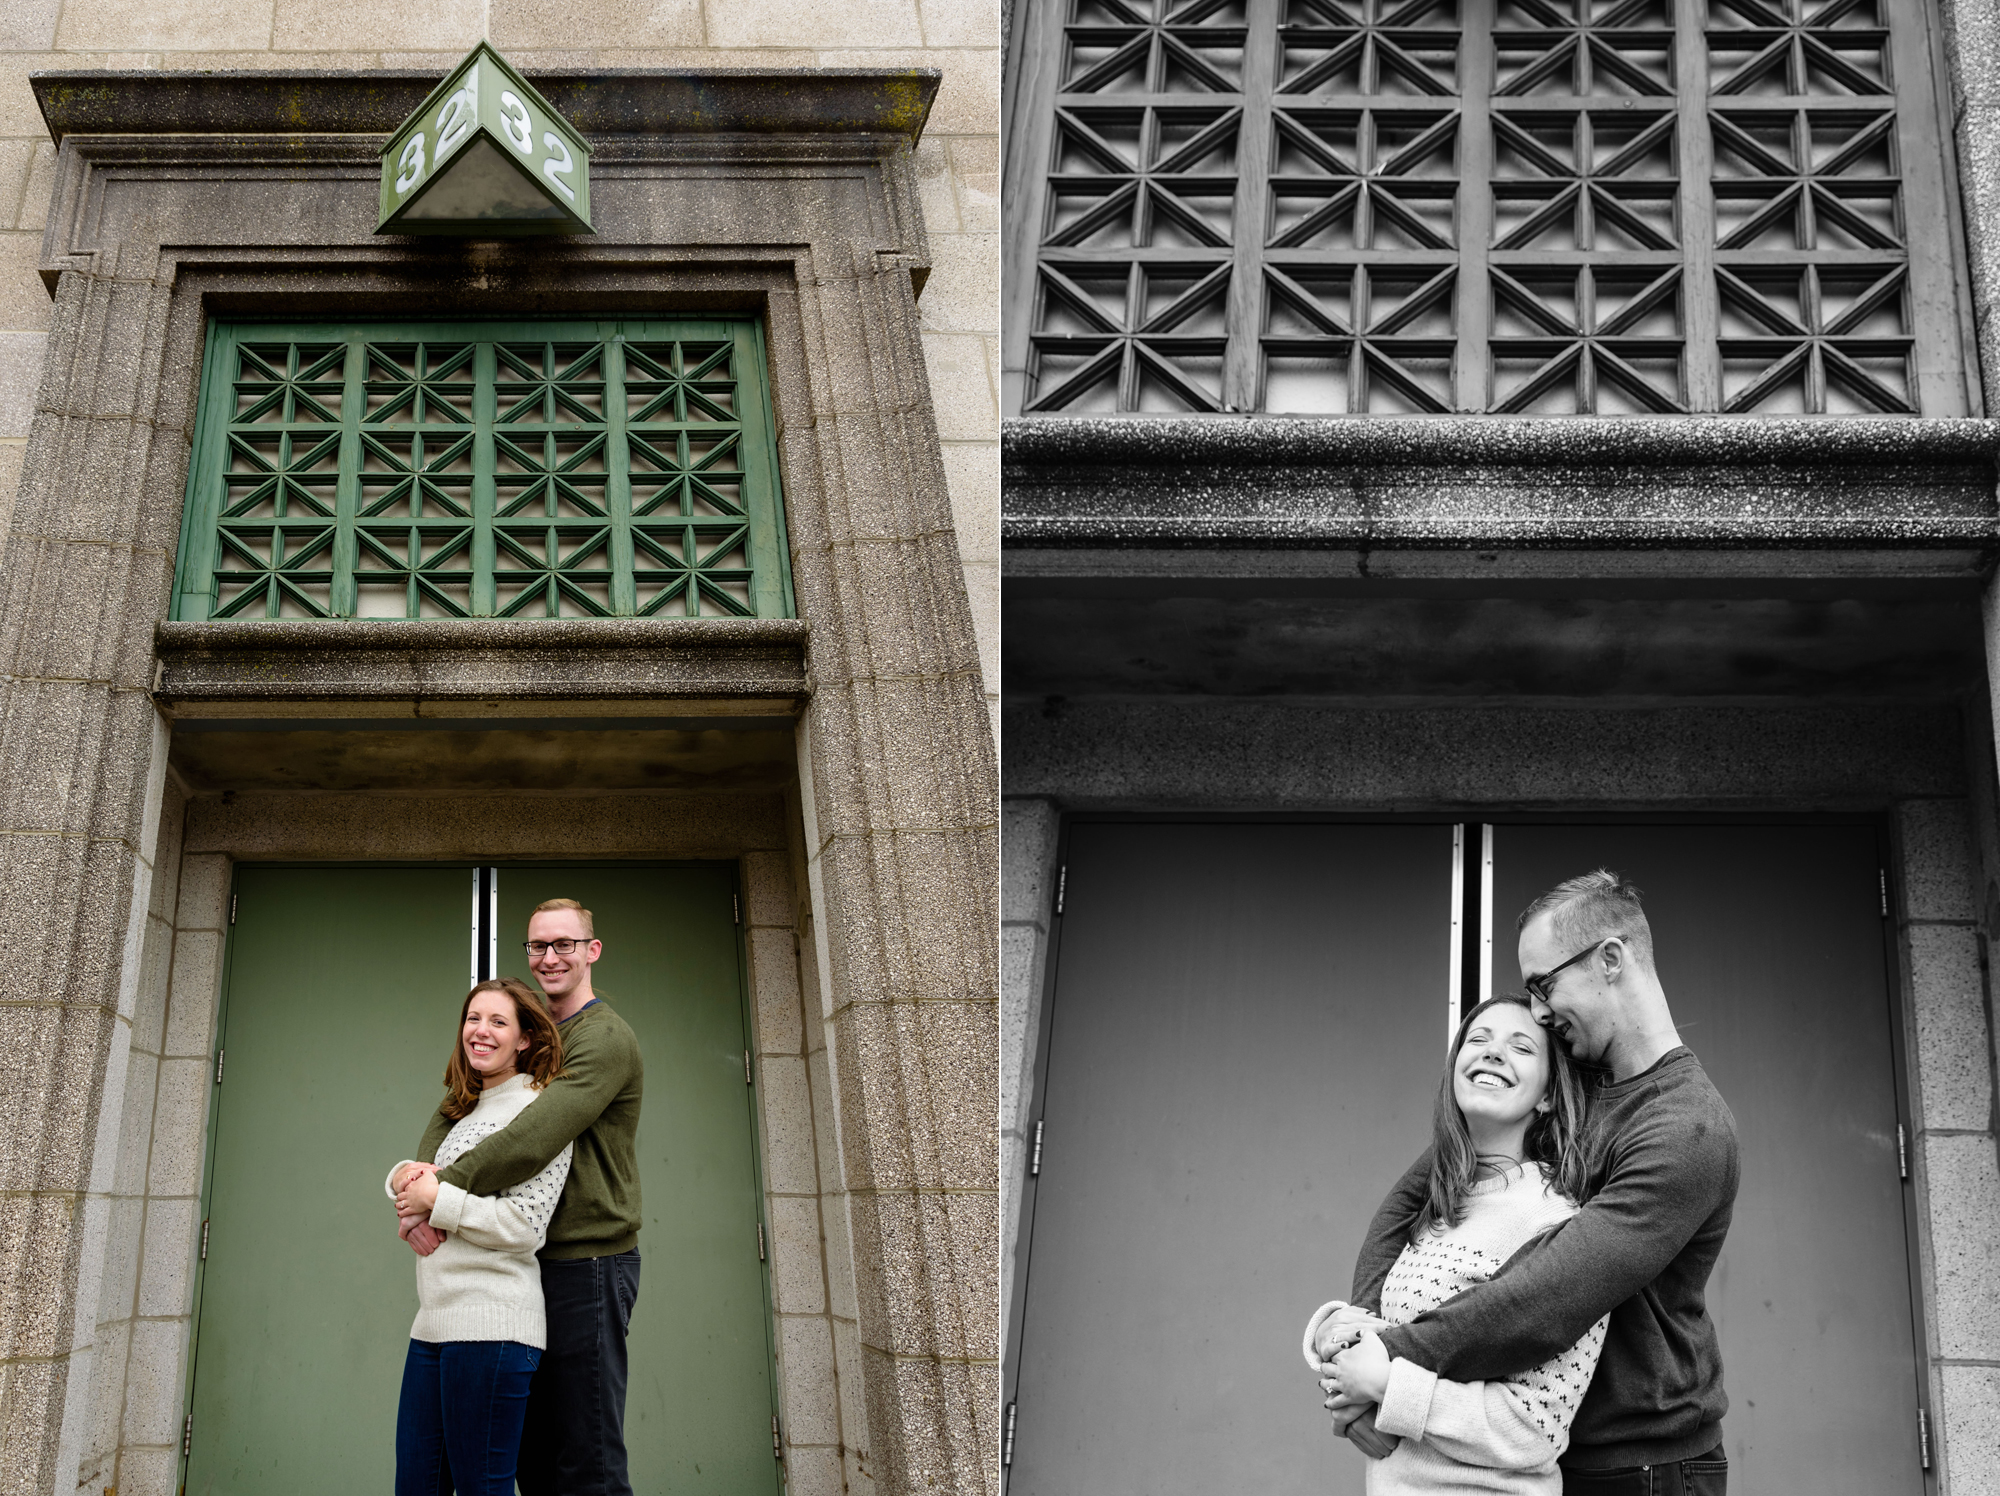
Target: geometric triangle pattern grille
573, 470
1521, 207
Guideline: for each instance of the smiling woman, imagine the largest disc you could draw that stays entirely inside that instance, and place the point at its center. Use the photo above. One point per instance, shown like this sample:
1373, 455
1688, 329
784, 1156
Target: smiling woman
481, 1324
1506, 1166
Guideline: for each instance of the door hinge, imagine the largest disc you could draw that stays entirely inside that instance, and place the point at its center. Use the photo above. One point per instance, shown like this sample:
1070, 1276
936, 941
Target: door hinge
1062, 883
218, 1065
204, 1241
735, 909
1902, 1153
232, 908
1007, 1443
1882, 882
746, 1069
777, 1440
1924, 1438
760, 1242
187, 1436
1035, 1154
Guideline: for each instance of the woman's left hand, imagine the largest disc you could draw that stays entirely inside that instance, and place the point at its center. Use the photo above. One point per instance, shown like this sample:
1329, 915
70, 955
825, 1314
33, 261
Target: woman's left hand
1358, 1375
418, 1195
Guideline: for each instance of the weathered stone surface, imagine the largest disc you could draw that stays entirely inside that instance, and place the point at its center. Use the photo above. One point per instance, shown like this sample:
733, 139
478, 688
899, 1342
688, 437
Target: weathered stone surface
812, 1470
774, 984
29, 25
960, 1404
284, 826
33, 1394
1962, 1186
1178, 751
561, 659
789, 1167
1954, 1066
929, 1064
597, 101
805, 1349
514, 24
1430, 481
797, 1285
104, 25
1940, 870
166, 1280
1969, 1428
305, 25
804, 23
20, 376
1595, 641
927, 1268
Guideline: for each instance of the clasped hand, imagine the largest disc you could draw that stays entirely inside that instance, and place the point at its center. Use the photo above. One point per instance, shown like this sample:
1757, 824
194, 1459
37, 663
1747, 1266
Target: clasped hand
416, 1193
1354, 1373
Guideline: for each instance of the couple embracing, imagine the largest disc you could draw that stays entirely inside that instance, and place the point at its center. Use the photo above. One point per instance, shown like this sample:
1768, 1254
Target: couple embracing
522, 1206
1528, 1314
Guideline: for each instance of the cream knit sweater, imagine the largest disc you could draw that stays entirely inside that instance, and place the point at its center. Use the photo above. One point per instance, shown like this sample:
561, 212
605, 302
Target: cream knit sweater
1478, 1437
483, 1283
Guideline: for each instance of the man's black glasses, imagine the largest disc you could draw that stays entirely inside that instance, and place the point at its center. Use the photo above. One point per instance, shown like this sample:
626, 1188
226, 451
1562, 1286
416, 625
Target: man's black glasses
563, 947
1541, 985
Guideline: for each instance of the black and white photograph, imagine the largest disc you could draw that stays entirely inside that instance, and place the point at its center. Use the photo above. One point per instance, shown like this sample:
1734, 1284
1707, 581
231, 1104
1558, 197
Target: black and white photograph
1497, 748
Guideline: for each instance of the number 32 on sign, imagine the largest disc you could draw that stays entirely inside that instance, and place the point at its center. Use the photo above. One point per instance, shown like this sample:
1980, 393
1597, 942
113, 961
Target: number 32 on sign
485, 156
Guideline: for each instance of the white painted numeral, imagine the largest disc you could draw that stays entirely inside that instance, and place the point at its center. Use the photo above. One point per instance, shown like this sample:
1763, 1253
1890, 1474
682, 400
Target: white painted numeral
460, 112
551, 166
518, 123
411, 163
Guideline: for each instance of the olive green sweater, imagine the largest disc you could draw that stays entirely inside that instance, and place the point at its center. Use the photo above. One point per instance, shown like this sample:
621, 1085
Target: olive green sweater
594, 1104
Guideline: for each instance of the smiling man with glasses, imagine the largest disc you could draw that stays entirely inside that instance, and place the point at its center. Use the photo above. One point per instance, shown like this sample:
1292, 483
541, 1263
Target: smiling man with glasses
574, 1441
1662, 1189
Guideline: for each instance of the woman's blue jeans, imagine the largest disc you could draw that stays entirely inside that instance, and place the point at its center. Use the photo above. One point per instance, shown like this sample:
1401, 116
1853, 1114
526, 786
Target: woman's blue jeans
459, 1426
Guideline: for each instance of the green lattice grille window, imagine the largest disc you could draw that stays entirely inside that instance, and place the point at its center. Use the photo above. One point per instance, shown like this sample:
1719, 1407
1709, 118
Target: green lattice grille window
1517, 206
484, 470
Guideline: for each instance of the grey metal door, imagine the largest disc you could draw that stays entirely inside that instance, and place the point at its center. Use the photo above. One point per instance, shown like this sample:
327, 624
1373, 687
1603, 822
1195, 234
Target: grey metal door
1770, 945
1247, 1025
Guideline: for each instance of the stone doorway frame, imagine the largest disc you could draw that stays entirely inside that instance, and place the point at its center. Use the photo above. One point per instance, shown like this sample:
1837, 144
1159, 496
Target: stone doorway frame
789, 192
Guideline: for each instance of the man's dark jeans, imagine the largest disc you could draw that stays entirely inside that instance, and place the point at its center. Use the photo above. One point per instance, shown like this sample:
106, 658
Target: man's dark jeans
1704, 1475
574, 1444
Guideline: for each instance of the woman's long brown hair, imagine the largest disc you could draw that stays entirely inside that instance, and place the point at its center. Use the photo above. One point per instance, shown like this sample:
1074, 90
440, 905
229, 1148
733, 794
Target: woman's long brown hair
541, 1061
1555, 1138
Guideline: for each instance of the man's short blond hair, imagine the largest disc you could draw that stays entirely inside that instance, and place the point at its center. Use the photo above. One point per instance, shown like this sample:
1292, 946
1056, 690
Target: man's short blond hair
1591, 907
548, 905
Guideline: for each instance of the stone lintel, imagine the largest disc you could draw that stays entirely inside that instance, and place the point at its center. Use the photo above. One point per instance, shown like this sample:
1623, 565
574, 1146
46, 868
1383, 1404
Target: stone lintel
1453, 483
700, 661
597, 101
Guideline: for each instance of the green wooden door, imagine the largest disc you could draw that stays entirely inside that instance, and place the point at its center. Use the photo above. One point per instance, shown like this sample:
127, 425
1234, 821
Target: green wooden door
342, 990
698, 1409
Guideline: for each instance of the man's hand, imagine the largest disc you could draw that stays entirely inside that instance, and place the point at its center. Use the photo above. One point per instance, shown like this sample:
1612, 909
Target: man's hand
417, 1230
1360, 1429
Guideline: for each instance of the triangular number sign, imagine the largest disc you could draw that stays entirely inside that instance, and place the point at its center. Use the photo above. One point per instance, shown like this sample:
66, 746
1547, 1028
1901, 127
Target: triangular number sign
485, 157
